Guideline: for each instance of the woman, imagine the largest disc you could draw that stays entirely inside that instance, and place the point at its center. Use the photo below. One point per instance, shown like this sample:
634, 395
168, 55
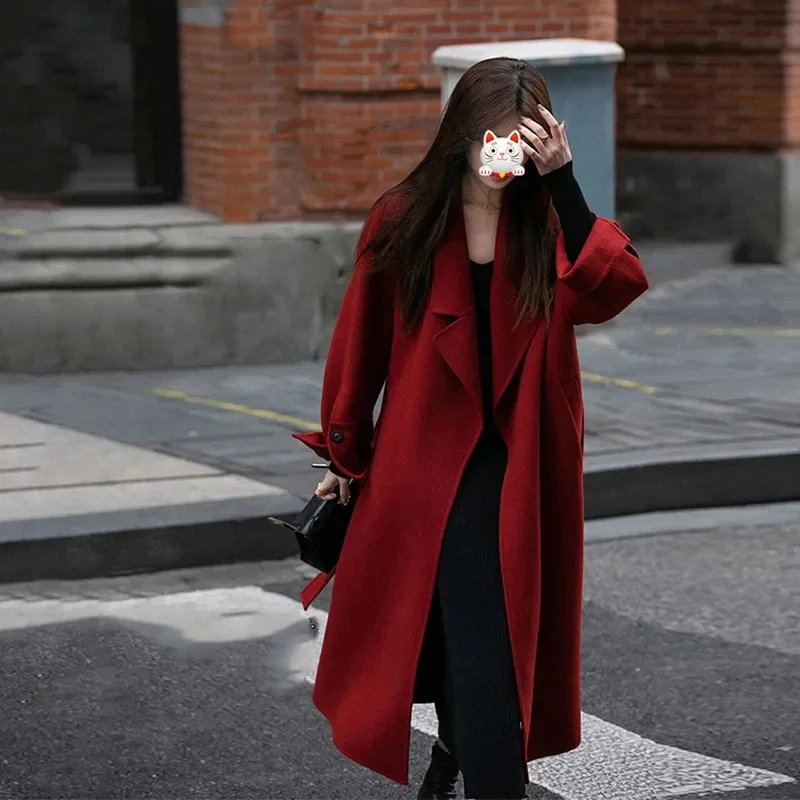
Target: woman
461, 575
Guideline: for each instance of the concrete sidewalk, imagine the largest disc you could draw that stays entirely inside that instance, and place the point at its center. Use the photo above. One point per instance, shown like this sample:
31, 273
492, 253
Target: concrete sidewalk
76, 505
692, 401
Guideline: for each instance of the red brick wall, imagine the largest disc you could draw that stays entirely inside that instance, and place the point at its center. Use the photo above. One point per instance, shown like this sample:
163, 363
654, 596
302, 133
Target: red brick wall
792, 60
707, 75
239, 109
302, 108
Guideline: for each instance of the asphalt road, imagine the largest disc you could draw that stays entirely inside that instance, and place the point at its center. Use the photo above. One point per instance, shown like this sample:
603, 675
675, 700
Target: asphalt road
193, 683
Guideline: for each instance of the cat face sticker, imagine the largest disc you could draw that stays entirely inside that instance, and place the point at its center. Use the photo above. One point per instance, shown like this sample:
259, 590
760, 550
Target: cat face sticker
501, 156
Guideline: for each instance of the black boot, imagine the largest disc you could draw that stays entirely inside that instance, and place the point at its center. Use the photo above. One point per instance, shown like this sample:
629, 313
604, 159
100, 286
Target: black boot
441, 778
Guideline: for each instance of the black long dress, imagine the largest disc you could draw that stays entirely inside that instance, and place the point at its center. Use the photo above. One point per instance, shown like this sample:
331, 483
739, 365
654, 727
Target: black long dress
478, 706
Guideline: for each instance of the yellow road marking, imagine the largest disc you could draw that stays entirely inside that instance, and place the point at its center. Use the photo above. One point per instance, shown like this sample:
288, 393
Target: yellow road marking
13, 231
238, 408
304, 424
778, 332
620, 383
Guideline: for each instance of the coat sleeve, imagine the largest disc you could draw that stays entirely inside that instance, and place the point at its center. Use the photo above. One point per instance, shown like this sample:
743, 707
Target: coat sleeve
356, 365
606, 277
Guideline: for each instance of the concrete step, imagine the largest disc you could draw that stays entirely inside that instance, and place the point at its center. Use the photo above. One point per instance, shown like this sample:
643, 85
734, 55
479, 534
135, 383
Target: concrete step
108, 272
205, 294
116, 243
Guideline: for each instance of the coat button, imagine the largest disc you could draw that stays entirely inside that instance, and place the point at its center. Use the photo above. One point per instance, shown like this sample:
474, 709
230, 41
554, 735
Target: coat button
337, 435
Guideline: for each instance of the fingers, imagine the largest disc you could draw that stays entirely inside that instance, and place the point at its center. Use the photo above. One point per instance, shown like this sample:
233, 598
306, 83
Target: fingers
528, 150
536, 146
548, 151
550, 120
324, 491
558, 131
531, 140
536, 128
535, 143
325, 488
537, 159
333, 487
540, 140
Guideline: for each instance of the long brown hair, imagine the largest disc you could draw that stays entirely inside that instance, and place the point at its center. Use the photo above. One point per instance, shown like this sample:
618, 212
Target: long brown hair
491, 91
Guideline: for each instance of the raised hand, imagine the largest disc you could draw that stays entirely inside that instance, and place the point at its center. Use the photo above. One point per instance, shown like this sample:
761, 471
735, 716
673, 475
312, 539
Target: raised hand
548, 151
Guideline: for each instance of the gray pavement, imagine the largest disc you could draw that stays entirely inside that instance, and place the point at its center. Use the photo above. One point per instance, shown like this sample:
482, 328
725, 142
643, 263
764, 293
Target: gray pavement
195, 683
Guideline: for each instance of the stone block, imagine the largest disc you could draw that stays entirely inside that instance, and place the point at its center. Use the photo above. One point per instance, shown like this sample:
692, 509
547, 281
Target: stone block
275, 299
752, 200
51, 331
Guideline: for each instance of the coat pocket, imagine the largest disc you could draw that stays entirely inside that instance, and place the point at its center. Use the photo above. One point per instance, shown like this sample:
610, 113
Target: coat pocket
573, 395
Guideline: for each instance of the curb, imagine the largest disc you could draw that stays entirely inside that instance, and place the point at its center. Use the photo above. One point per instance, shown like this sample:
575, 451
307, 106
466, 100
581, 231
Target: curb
693, 477
147, 540
204, 534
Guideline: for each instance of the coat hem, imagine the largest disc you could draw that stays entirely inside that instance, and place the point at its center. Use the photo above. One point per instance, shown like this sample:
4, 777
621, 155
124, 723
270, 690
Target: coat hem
338, 745
344, 751
556, 750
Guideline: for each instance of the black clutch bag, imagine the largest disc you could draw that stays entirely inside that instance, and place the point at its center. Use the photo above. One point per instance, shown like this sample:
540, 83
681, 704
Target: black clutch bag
320, 529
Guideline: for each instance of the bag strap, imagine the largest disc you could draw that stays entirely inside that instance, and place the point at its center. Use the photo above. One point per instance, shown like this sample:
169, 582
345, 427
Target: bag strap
311, 590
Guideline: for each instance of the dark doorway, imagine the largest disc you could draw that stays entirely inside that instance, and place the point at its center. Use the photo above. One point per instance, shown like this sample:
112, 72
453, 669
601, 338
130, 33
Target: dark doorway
89, 98
156, 97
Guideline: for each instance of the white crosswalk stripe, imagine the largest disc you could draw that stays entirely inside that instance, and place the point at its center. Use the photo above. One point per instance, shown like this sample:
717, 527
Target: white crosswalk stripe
615, 764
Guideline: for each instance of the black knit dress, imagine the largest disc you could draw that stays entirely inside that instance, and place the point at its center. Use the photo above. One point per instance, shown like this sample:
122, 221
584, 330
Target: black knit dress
478, 707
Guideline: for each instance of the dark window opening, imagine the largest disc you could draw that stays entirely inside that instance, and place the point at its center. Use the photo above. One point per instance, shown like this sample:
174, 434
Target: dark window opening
90, 102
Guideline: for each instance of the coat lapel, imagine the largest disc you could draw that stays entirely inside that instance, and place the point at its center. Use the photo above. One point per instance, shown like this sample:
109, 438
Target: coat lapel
452, 300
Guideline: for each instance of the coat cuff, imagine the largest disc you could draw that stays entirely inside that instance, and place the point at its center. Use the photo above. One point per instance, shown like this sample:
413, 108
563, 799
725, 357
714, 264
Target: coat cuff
343, 445
605, 243
316, 441
335, 470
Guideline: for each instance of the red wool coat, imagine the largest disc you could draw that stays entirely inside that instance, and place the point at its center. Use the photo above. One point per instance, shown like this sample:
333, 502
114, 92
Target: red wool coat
410, 466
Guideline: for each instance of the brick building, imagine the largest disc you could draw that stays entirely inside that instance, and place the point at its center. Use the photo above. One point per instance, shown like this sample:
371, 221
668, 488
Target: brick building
293, 109
305, 109
709, 121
